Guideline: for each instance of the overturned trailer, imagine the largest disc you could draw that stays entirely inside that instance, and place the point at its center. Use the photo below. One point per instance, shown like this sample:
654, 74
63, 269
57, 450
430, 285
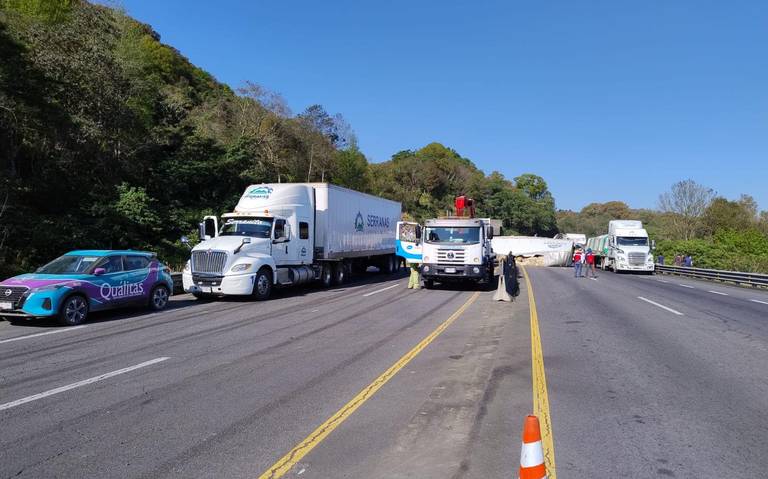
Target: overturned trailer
552, 251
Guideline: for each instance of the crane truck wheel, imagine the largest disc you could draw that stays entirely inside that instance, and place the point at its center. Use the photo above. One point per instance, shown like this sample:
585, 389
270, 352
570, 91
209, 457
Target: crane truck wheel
262, 284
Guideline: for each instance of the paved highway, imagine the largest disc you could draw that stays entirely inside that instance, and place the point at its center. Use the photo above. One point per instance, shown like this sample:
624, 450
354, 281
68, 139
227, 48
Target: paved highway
225, 389
654, 376
374, 380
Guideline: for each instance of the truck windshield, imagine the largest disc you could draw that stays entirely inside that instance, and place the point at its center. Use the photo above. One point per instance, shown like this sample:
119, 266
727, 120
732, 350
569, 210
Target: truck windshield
632, 241
253, 227
452, 235
69, 264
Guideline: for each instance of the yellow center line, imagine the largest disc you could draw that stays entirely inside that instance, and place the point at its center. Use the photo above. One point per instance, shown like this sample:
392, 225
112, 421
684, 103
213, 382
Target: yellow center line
285, 463
540, 397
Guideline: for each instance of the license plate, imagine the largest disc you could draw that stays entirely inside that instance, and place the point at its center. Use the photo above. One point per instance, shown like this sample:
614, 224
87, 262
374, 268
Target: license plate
207, 289
450, 270
6, 305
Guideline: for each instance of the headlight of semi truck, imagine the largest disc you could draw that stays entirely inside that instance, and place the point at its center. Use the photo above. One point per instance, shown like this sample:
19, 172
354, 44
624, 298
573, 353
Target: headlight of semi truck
425, 258
240, 267
187, 267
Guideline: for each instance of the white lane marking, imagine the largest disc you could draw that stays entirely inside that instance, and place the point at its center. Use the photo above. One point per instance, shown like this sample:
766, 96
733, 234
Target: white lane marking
758, 301
660, 306
593, 279
84, 382
686, 285
37, 335
380, 290
718, 292
662, 281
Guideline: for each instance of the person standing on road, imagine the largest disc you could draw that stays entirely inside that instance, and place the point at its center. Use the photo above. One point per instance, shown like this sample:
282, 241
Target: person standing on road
590, 262
577, 262
414, 280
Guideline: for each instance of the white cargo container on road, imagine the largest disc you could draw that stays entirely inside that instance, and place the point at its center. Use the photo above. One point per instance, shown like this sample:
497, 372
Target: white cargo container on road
285, 234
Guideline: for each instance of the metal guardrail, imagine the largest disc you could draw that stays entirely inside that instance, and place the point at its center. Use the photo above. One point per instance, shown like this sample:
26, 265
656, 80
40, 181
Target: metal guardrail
750, 279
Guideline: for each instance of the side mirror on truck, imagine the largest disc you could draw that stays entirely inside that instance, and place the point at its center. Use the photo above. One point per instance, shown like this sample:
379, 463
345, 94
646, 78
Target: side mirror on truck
653, 244
209, 228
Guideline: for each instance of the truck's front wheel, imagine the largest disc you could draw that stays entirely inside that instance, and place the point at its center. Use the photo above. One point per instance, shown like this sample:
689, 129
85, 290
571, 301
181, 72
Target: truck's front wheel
262, 285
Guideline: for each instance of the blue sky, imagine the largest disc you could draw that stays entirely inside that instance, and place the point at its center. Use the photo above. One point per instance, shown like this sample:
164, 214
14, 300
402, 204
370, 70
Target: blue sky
607, 100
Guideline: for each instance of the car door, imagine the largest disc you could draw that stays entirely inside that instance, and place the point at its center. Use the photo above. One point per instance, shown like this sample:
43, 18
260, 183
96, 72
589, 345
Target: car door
111, 283
137, 275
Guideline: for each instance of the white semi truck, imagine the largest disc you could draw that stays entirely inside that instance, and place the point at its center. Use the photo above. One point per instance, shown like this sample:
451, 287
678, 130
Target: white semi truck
626, 247
286, 234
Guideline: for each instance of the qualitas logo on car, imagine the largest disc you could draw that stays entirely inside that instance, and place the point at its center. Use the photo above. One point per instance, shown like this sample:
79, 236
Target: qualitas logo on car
123, 290
262, 192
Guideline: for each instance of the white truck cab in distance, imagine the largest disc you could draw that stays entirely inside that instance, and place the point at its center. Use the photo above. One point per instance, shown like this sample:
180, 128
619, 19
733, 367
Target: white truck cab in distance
626, 247
286, 234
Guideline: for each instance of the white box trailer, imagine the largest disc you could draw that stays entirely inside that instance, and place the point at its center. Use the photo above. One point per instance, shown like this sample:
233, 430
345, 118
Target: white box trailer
285, 234
352, 224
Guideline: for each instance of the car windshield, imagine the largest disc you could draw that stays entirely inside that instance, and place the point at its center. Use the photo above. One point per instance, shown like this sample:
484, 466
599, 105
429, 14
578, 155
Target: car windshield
453, 235
632, 241
253, 227
69, 264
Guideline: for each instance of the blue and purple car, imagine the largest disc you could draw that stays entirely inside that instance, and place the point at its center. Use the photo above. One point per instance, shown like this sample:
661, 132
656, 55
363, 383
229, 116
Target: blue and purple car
71, 286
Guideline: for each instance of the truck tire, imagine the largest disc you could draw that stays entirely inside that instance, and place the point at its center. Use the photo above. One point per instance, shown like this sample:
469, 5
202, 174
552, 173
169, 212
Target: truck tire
74, 310
326, 275
262, 284
388, 263
339, 273
429, 283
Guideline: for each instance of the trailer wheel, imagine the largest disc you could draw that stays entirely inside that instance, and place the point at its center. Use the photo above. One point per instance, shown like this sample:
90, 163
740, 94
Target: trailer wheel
326, 276
387, 264
262, 284
339, 273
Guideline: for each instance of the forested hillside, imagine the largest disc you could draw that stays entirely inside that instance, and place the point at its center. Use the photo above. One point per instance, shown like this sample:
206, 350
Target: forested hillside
110, 139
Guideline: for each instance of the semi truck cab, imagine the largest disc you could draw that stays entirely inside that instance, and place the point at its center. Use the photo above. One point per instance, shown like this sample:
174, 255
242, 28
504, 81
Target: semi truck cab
457, 249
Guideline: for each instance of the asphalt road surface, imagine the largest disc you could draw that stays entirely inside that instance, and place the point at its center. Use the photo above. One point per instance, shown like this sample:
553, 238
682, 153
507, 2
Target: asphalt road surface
670, 385
224, 389
640, 391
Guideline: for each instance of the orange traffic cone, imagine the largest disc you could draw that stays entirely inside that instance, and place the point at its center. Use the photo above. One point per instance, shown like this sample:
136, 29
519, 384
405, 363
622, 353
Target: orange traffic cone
532, 455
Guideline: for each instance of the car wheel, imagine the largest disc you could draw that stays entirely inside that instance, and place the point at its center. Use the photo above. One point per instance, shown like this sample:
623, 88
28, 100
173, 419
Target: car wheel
74, 311
262, 285
158, 299
339, 273
326, 277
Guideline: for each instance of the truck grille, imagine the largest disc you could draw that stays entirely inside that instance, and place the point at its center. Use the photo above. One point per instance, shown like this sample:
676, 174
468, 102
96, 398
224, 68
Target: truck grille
12, 294
636, 258
450, 256
209, 261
